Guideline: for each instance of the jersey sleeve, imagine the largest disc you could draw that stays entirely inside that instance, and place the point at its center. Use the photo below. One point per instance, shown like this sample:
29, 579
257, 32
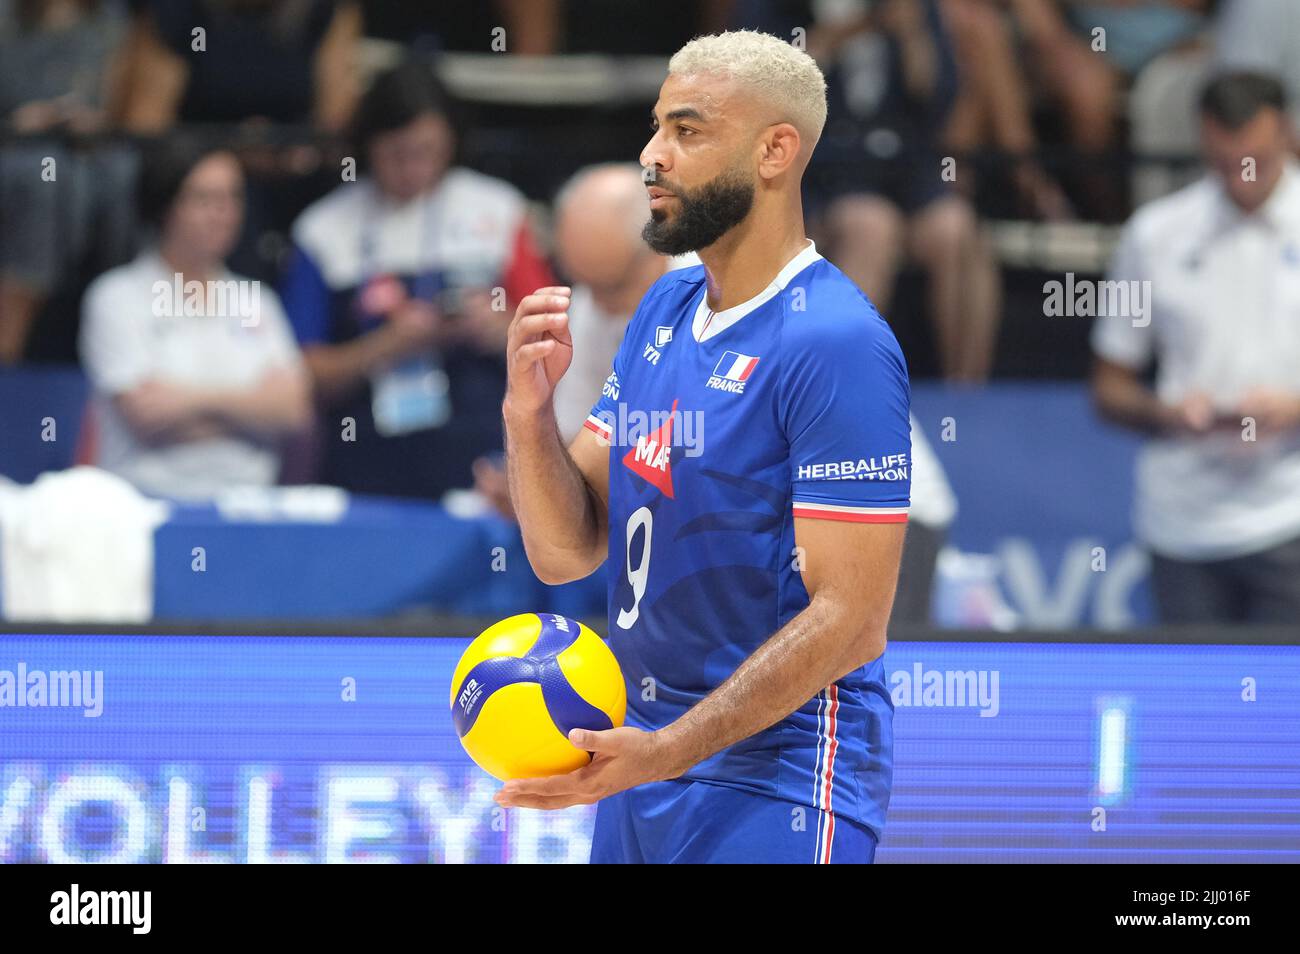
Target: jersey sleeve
846, 419
306, 298
604, 413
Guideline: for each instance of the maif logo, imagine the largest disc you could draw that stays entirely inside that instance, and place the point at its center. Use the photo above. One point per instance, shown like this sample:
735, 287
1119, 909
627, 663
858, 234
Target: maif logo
651, 458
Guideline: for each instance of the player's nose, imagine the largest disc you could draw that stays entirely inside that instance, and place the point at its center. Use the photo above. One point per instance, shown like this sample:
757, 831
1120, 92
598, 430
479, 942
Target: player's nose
653, 157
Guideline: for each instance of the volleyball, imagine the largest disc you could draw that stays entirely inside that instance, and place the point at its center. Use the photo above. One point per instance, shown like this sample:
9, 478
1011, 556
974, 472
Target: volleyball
523, 684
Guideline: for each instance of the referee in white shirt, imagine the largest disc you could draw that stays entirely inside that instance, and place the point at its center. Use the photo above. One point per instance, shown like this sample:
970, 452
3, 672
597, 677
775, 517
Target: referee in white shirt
1218, 484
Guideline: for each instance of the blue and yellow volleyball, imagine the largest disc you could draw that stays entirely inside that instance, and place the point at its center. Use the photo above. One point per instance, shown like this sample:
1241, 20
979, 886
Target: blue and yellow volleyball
523, 684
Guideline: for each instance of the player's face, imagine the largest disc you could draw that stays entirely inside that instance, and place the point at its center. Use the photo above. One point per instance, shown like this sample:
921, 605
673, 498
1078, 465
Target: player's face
698, 168
1248, 160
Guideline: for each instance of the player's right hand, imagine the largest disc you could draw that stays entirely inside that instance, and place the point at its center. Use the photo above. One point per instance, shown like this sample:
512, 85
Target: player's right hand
539, 348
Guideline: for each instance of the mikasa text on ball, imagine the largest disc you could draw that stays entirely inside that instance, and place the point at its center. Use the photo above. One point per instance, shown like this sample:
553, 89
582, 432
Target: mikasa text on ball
523, 684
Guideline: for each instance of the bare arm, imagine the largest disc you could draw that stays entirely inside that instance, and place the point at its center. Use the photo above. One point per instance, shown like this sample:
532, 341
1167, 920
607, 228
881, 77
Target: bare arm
560, 495
335, 69
851, 572
337, 370
279, 404
153, 80
533, 25
154, 418
160, 412
1121, 397
920, 60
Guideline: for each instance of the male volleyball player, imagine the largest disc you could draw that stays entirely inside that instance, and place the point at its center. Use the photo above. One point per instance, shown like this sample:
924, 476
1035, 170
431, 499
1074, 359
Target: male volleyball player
746, 472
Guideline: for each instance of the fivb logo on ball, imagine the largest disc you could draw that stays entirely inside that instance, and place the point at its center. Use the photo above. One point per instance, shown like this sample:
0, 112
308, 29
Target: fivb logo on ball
470, 696
524, 684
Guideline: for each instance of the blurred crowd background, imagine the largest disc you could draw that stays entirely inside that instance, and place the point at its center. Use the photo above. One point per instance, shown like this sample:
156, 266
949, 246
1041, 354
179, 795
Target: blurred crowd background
382, 181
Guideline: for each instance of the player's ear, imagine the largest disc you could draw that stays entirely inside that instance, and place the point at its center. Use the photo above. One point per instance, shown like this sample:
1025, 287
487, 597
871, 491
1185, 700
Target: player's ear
779, 150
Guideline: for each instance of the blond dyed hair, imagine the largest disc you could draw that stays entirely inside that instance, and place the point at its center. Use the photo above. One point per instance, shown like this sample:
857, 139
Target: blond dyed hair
785, 77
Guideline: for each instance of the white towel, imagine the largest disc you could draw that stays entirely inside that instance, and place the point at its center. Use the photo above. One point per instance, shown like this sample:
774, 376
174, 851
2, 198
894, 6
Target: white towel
78, 546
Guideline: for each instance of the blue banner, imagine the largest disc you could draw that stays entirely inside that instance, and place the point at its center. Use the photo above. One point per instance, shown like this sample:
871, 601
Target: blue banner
1044, 494
335, 749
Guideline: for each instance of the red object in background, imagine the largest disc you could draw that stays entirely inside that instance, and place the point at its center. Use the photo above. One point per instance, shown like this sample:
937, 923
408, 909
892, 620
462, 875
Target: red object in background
86, 453
381, 294
527, 269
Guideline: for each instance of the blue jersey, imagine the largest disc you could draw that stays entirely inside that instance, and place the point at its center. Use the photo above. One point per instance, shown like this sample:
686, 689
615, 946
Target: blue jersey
723, 428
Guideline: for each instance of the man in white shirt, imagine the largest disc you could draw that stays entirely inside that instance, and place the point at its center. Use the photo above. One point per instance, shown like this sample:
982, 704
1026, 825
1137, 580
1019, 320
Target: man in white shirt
1218, 264
1262, 35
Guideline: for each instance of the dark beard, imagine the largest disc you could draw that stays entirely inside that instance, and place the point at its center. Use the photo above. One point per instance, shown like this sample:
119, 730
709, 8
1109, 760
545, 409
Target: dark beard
703, 216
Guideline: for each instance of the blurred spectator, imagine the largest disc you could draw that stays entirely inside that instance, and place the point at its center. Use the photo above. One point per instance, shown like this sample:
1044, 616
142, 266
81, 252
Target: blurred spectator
1262, 35
632, 27
401, 291
994, 109
532, 27
195, 371
545, 27
56, 63
1218, 485
1082, 54
934, 506
288, 61
1136, 31
876, 182
1082, 51
599, 215
57, 66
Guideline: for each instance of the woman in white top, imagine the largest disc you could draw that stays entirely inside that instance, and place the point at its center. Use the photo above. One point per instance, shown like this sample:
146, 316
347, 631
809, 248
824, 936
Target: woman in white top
196, 373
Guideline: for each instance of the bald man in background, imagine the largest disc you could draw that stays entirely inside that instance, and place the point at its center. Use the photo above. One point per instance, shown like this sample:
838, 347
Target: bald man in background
599, 214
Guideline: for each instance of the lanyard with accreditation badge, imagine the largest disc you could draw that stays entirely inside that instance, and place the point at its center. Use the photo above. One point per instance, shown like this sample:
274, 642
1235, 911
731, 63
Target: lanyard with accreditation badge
413, 395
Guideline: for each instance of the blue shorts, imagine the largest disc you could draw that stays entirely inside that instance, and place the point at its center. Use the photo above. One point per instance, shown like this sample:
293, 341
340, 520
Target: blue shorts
682, 821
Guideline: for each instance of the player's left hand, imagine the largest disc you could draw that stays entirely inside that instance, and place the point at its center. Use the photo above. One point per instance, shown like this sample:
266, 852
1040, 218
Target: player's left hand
622, 758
